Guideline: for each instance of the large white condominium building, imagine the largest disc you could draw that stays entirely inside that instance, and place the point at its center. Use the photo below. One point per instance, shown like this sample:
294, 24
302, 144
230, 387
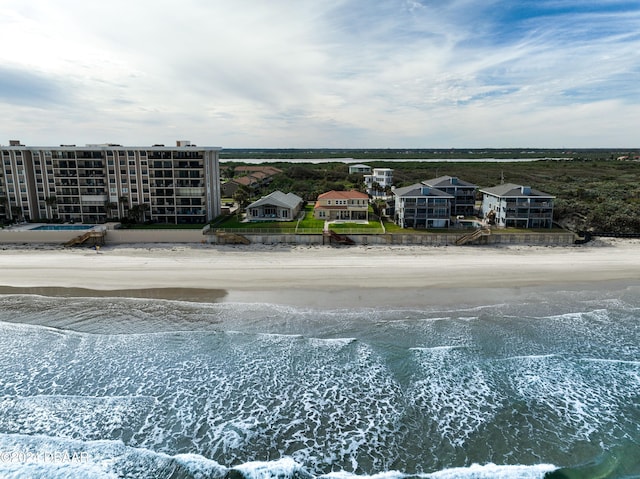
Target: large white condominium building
98, 183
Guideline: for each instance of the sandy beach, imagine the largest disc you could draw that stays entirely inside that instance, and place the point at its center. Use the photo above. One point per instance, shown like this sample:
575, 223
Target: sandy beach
316, 275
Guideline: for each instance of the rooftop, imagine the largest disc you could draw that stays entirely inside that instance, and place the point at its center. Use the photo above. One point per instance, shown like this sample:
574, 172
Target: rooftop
343, 195
511, 190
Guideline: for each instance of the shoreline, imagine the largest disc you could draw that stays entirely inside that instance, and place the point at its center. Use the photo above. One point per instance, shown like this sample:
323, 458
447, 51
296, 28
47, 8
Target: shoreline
318, 276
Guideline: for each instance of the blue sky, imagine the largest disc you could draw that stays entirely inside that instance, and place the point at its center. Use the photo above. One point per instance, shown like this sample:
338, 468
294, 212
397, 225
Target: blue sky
330, 73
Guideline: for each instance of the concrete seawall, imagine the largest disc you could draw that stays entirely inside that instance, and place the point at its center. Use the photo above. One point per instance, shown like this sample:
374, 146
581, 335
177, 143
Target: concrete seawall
565, 238
124, 236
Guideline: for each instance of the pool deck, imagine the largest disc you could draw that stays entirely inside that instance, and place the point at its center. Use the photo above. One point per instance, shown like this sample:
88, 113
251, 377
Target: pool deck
35, 226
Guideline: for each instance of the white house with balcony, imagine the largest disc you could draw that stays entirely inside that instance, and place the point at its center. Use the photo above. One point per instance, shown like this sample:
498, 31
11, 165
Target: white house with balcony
383, 177
517, 206
359, 168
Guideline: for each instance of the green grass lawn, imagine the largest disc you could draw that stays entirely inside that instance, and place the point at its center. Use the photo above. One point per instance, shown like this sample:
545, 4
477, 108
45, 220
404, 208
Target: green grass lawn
165, 226
307, 225
233, 222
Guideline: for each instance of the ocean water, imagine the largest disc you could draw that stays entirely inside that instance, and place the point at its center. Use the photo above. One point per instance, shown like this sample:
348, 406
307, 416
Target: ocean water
538, 386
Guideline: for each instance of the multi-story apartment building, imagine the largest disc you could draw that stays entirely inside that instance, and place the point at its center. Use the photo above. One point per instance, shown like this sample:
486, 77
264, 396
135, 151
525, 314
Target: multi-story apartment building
517, 206
383, 177
464, 193
420, 206
96, 183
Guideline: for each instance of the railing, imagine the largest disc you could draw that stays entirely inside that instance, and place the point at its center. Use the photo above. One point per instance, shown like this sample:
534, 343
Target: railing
267, 231
358, 231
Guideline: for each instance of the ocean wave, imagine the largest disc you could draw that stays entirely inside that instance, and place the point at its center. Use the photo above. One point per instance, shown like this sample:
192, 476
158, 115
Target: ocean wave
53, 458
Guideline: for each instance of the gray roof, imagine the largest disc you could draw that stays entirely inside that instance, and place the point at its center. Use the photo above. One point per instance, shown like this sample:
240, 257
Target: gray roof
511, 190
446, 181
418, 190
278, 198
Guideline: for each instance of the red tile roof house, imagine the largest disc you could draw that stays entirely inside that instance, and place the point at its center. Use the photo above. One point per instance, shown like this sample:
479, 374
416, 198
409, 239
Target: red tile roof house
268, 170
342, 205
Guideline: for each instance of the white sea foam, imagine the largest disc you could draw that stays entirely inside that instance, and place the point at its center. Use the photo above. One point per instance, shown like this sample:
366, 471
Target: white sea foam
493, 471
331, 391
436, 348
282, 469
611, 361
54, 471
454, 393
350, 475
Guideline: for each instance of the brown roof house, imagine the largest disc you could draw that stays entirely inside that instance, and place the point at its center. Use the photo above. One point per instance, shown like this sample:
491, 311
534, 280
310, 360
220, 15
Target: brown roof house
247, 169
342, 205
254, 177
229, 188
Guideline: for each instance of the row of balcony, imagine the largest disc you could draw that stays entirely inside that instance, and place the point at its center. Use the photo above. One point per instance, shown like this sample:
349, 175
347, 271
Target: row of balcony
530, 215
425, 201
178, 211
428, 212
524, 212
529, 204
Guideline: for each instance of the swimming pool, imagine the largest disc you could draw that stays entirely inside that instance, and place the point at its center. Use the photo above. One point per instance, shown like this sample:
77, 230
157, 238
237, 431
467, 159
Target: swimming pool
62, 227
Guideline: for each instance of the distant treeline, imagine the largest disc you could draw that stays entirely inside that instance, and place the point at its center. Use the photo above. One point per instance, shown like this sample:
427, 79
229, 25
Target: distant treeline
427, 153
591, 194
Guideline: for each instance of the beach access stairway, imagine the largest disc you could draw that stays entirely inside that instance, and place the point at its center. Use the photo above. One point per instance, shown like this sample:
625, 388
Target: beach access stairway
231, 238
473, 236
338, 238
94, 237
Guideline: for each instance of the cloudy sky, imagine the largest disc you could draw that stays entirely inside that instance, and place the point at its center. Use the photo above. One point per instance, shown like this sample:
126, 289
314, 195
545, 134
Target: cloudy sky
321, 73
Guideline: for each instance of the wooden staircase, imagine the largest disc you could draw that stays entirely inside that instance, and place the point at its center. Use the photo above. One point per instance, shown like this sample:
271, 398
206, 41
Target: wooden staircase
338, 238
94, 237
231, 238
473, 236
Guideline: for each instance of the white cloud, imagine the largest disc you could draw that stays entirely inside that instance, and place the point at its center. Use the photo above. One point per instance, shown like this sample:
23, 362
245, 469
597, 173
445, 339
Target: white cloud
288, 73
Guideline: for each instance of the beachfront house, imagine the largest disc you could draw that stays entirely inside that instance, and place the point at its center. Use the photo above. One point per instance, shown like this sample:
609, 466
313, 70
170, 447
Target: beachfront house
511, 205
421, 206
342, 205
464, 193
229, 188
359, 168
276, 206
378, 181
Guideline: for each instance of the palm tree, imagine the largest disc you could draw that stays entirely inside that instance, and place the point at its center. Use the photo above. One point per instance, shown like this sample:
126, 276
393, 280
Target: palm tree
137, 212
15, 212
3, 205
134, 213
52, 206
376, 188
241, 196
143, 208
109, 206
378, 206
124, 201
